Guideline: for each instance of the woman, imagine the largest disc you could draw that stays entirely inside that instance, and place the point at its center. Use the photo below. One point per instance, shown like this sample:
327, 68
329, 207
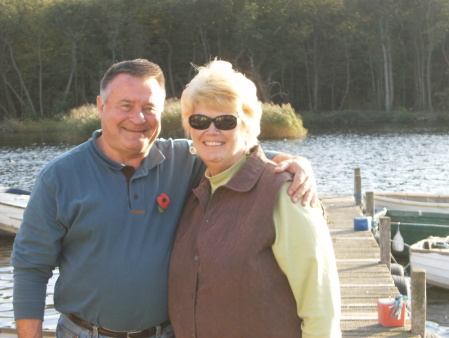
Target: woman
246, 261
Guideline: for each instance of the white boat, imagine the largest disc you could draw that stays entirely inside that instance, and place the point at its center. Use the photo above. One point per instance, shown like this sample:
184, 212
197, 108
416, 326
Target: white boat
432, 255
12, 206
415, 202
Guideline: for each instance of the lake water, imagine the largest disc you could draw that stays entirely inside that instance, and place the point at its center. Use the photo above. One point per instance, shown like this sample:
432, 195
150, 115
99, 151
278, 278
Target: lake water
406, 158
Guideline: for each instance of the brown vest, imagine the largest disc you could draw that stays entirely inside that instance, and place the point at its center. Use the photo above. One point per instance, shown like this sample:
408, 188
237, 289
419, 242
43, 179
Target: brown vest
224, 280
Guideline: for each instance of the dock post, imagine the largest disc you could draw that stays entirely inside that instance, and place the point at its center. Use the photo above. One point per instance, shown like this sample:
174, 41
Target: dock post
385, 245
419, 299
369, 198
357, 186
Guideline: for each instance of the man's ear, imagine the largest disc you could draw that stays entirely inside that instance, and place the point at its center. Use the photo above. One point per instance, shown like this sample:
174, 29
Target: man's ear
100, 105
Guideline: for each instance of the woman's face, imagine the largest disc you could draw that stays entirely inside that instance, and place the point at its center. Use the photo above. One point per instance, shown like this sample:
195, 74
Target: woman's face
219, 149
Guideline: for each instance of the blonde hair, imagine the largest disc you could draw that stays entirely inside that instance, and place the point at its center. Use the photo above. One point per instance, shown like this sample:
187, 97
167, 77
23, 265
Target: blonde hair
218, 86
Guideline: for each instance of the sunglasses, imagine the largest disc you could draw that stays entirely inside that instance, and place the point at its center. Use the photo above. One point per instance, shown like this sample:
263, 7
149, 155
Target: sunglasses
222, 122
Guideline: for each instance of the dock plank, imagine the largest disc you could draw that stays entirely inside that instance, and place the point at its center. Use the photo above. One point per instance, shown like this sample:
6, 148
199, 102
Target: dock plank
363, 280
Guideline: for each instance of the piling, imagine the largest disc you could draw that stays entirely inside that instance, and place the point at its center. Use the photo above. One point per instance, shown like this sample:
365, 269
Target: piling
357, 187
419, 301
385, 241
369, 203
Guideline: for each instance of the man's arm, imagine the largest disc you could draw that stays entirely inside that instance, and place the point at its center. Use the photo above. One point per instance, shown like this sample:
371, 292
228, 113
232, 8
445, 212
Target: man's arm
304, 184
34, 256
29, 328
303, 249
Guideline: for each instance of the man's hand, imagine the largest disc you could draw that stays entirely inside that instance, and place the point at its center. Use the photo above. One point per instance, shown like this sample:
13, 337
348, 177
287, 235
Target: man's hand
304, 184
29, 328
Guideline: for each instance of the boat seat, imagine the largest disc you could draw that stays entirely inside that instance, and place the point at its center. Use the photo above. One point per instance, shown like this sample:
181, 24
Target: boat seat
427, 244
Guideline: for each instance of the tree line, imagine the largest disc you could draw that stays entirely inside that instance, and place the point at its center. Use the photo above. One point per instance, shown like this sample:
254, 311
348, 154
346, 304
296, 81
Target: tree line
318, 55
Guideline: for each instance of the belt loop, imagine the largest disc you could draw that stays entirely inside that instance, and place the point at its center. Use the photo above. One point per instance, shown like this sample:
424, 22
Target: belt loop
158, 331
95, 332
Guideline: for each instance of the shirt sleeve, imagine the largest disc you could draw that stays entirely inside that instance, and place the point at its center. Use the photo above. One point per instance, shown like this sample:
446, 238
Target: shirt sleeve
303, 249
270, 154
35, 253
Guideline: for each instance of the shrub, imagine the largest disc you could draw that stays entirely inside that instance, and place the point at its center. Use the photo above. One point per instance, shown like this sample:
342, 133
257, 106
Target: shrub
8, 126
171, 122
82, 120
355, 117
278, 122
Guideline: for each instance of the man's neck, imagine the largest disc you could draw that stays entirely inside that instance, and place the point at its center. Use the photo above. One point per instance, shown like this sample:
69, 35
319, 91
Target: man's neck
133, 161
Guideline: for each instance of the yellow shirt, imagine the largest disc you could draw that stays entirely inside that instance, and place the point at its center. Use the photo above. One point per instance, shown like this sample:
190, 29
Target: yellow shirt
304, 252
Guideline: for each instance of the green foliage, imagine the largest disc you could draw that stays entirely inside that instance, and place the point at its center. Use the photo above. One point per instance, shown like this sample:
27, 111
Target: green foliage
171, 121
82, 120
278, 122
354, 117
318, 55
30, 126
281, 122
9, 126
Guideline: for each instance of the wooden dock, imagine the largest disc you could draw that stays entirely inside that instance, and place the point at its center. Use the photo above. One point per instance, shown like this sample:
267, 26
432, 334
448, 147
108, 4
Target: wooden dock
363, 280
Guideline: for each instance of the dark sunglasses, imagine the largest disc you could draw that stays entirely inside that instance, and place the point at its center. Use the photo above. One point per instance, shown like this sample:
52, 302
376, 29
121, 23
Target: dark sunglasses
222, 122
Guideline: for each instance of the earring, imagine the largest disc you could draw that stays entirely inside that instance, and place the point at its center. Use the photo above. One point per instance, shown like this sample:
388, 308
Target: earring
192, 150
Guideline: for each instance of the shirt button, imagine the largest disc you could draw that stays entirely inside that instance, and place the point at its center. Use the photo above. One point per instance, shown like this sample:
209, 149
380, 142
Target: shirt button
136, 196
195, 257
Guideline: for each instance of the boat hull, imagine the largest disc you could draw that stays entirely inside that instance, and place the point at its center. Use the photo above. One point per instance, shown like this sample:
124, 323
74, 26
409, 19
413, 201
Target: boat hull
12, 207
416, 202
415, 226
434, 260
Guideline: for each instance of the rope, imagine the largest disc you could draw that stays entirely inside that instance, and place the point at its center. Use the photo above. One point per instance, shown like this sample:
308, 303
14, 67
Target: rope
397, 306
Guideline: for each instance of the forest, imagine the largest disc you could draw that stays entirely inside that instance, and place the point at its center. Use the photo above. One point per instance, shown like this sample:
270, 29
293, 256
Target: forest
317, 55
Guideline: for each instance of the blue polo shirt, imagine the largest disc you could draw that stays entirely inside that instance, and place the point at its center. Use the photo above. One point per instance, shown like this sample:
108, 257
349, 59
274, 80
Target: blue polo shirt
109, 239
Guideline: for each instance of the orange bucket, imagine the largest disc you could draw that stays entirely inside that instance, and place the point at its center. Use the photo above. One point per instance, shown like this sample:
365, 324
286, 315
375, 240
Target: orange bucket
386, 315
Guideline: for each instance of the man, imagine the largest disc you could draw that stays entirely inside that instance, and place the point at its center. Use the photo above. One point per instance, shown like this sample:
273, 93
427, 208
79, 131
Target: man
105, 213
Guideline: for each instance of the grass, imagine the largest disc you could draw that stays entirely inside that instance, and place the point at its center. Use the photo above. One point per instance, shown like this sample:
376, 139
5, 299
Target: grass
281, 122
278, 122
354, 117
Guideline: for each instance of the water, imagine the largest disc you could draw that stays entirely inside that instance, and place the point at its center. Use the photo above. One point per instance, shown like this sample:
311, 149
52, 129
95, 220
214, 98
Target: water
405, 159
410, 159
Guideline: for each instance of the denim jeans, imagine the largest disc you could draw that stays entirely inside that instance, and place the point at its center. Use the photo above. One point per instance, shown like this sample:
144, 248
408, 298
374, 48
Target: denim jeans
68, 329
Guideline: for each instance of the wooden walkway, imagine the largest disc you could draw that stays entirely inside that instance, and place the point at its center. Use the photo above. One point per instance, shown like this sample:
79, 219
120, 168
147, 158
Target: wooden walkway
362, 279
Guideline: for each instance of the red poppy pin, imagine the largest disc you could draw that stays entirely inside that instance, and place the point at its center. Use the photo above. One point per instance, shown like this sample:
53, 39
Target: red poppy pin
163, 200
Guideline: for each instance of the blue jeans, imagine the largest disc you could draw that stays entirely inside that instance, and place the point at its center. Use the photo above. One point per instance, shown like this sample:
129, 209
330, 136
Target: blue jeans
68, 329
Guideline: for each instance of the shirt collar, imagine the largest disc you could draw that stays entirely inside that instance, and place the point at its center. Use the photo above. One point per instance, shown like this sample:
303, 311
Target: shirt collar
154, 157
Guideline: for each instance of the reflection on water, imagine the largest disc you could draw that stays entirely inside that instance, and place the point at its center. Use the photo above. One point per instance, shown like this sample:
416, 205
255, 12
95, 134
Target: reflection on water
409, 159
6, 282
406, 160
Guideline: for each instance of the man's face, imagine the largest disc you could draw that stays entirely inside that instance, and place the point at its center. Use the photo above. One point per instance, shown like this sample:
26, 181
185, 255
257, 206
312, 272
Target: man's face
130, 112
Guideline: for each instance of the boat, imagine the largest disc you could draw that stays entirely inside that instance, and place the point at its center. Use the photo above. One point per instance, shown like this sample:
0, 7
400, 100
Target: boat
12, 205
413, 202
413, 226
432, 255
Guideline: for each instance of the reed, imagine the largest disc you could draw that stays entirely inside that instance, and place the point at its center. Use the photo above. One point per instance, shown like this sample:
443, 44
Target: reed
82, 120
278, 122
171, 121
355, 117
